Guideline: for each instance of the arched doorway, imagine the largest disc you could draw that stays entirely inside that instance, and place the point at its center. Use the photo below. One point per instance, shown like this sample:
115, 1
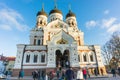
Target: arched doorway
62, 59
58, 58
66, 57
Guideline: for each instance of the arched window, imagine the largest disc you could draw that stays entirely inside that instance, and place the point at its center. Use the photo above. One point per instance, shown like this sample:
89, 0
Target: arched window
40, 22
27, 58
35, 58
91, 57
85, 58
43, 58
38, 42
79, 58
34, 41
72, 23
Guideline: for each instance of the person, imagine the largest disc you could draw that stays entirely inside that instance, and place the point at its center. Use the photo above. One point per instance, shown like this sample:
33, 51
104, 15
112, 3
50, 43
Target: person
69, 74
113, 72
39, 74
84, 73
63, 74
119, 71
21, 73
50, 75
46, 76
43, 75
35, 74
80, 74
8, 74
58, 73
95, 72
67, 64
101, 71
88, 74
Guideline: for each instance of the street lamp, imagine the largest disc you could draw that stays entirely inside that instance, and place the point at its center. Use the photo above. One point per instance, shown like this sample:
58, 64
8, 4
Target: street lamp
5, 62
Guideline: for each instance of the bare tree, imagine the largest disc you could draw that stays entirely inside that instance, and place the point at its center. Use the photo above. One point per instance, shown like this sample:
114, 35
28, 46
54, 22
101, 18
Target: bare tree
106, 55
112, 49
115, 46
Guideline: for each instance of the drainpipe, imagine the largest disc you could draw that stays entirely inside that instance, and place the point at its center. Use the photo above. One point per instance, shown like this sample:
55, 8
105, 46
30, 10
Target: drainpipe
23, 57
96, 62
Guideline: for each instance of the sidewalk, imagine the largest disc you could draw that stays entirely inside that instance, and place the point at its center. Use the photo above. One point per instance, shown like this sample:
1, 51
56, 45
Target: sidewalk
100, 76
91, 77
25, 78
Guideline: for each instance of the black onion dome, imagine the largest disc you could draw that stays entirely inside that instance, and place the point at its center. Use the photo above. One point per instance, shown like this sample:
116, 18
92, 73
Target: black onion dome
70, 14
55, 11
42, 12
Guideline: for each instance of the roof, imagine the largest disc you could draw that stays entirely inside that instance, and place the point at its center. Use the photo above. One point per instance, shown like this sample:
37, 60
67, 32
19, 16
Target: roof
42, 12
70, 14
55, 10
3, 58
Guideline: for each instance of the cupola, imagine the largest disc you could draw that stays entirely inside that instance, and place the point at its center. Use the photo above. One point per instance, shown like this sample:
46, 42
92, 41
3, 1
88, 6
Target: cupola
71, 19
70, 14
41, 18
55, 14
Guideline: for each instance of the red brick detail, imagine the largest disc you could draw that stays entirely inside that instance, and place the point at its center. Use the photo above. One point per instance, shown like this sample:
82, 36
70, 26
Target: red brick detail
27, 72
34, 65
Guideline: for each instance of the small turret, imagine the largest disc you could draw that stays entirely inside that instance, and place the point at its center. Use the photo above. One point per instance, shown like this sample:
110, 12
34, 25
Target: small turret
55, 14
71, 19
41, 18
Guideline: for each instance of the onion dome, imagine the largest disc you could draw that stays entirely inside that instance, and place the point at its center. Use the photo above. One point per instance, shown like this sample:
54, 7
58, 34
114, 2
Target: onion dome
55, 10
70, 14
42, 12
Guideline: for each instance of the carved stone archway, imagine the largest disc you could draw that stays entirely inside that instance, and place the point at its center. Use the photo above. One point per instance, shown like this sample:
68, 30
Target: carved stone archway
62, 58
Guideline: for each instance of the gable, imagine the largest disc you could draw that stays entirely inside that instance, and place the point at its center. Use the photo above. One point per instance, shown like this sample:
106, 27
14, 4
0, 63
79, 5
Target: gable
57, 24
62, 38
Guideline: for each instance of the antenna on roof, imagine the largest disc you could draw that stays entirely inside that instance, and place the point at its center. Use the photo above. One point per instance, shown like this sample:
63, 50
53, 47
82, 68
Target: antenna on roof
69, 6
55, 2
42, 6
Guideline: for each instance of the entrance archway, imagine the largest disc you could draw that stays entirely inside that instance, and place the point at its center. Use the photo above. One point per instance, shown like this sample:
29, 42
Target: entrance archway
66, 56
62, 59
58, 58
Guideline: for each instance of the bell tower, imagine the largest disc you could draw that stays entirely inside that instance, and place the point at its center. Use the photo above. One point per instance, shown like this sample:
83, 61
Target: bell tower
71, 18
41, 18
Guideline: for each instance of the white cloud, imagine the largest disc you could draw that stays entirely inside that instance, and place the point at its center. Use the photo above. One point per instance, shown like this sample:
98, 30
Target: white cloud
108, 22
114, 28
91, 23
111, 25
11, 19
106, 12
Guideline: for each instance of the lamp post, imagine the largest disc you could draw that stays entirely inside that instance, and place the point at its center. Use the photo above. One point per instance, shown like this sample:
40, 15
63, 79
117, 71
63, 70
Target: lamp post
5, 62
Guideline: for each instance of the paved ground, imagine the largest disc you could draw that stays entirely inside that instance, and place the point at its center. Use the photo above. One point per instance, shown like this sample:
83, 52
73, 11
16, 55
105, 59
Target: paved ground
109, 77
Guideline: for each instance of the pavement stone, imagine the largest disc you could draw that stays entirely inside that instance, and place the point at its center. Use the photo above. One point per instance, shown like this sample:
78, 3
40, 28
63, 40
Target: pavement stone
107, 77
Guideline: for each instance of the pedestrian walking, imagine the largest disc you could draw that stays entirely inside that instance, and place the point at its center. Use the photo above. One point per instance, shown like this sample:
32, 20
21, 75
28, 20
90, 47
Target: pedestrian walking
95, 72
113, 72
58, 73
101, 71
8, 74
69, 74
43, 75
21, 74
46, 77
84, 73
63, 75
67, 64
88, 74
35, 74
80, 74
119, 71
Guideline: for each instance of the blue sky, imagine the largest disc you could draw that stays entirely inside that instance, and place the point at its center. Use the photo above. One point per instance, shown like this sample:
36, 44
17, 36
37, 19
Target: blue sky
98, 19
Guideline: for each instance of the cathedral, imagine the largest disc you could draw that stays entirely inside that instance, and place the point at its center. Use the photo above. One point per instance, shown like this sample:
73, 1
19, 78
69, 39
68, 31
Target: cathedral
54, 43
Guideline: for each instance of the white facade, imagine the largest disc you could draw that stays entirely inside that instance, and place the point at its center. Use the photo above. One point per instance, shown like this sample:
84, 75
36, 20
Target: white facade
52, 37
